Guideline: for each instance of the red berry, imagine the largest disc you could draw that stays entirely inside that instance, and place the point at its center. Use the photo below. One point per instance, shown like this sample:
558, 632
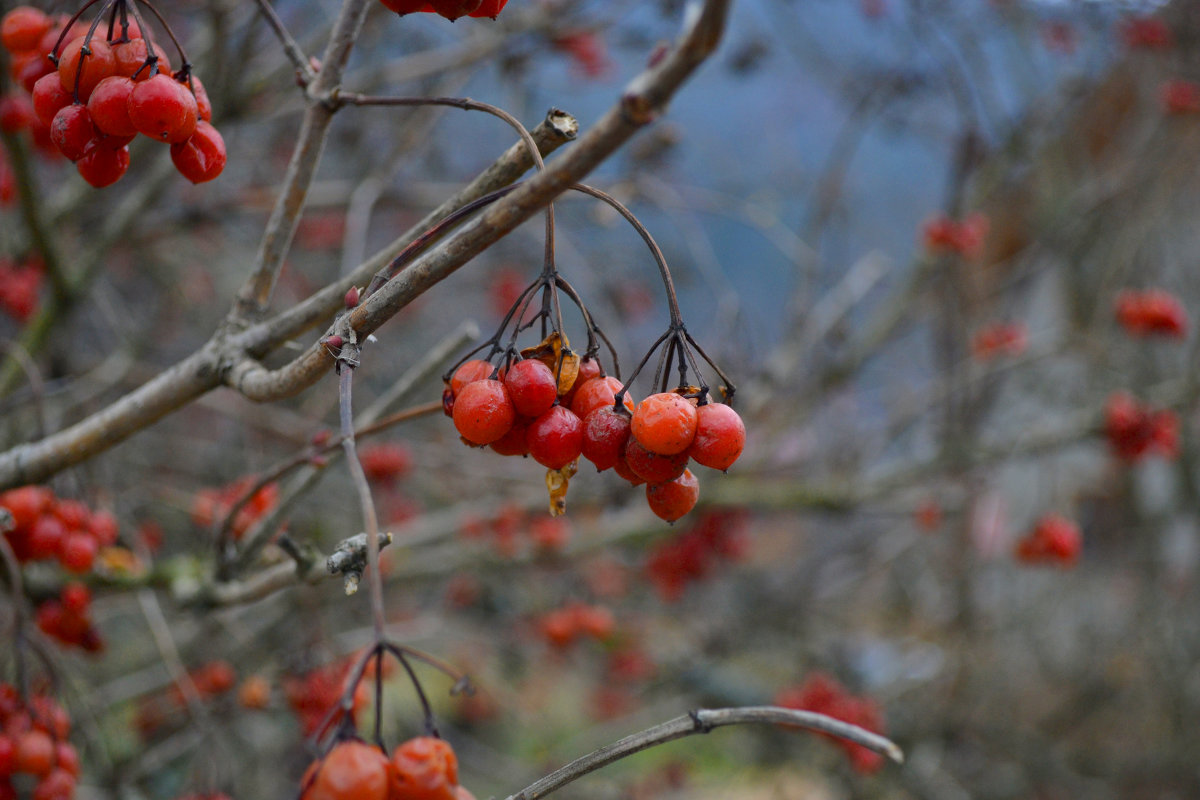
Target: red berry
59, 784
26, 504
588, 368
720, 436
76, 598
532, 386
596, 393
49, 97
665, 423
652, 467
72, 130
407, 6
471, 371
555, 438
202, 157
103, 526
109, 106
605, 434
203, 103
129, 57
164, 110
45, 537
515, 442
673, 499
483, 411
624, 472
102, 165
16, 113
67, 758
453, 9
351, 771
34, 753
425, 769
77, 552
489, 8
22, 28
97, 66
8, 756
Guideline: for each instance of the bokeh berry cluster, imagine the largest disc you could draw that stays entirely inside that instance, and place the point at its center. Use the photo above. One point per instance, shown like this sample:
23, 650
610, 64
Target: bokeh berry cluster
34, 752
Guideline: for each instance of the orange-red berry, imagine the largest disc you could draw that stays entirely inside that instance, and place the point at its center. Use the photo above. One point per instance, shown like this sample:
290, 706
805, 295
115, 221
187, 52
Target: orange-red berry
665, 423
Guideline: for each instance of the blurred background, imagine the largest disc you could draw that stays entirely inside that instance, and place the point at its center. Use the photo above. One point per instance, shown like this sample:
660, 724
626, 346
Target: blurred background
946, 251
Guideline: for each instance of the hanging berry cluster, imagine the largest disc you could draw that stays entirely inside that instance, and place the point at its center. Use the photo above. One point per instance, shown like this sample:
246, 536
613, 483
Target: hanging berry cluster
34, 750
1152, 312
450, 9
549, 403
1053, 540
97, 92
46, 527
1136, 430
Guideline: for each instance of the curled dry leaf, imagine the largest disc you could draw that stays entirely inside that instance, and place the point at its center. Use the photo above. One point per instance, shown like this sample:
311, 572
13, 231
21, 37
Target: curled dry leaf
557, 483
555, 352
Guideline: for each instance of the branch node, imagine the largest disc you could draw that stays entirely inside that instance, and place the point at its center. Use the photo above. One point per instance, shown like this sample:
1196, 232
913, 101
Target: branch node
701, 724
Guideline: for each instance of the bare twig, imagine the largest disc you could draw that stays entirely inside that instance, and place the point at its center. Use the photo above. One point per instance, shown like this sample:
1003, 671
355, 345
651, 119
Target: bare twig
291, 47
703, 721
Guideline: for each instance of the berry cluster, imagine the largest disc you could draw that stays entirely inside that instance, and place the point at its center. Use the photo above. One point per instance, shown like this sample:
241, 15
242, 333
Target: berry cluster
1152, 312
33, 743
718, 536
423, 768
96, 94
822, 694
1180, 97
210, 680
385, 463
1135, 430
312, 695
587, 50
1147, 33
450, 9
68, 620
1000, 340
48, 527
942, 235
546, 534
213, 505
564, 626
20, 285
1053, 540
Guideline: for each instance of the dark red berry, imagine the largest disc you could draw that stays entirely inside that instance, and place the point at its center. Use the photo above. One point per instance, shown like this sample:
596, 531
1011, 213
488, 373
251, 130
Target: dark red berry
555, 438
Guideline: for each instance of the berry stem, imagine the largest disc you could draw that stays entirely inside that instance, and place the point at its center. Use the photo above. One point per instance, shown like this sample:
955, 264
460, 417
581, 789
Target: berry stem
53, 55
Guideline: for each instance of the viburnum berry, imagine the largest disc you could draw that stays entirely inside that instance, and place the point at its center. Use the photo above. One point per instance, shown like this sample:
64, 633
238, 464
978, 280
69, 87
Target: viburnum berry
483, 411
66, 757
469, 372
453, 9
203, 103
22, 28
1053, 540
34, 754
130, 60
515, 442
76, 598
555, 438
532, 387
77, 552
665, 424
351, 771
72, 130
58, 784
163, 109
597, 393
201, 157
624, 472
102, 164
384, 463
98, 64
653, 467
16, 113
720, 436
425, 769
109, 106
589, 368
673, 499
8, 754
605, 434
49, 97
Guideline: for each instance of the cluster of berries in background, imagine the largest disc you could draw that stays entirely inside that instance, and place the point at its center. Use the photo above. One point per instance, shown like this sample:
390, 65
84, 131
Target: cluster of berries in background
717, 537
450, 9
47, 527
423, 768
942, 235
1000, 340
822, 694
1152, 312
156, 711
313, 694
1054, 540
20, 285
34, 750
97, 93
1136, 430
504, 530
525, 409
574, 621
211, 506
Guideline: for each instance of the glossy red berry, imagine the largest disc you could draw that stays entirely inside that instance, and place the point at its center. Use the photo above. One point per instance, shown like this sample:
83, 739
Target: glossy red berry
665, 423
605, 435
720, 436
49, 97
483, 411
652, 467
555, 438
77, 552
109, 106
98, 64
407, 6
130, 60
203, 103
515, 442
453, 9
45, 537
202, 157
625, 473
102, 163
72, 131
34, 753
532, 386
589, 368
673, 499
163, 109
596, 393
425, 769
351, 770
469, 372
